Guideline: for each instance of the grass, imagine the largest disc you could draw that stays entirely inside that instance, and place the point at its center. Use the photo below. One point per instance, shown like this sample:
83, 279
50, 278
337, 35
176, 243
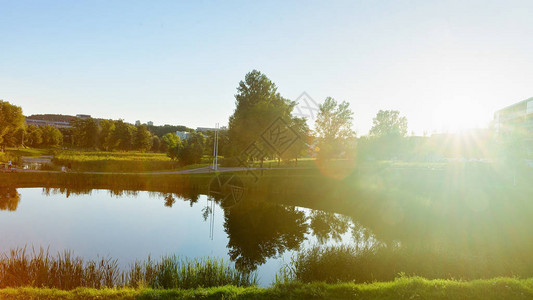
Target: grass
100, 161
33, 152
334, 264
21, 268
400, 288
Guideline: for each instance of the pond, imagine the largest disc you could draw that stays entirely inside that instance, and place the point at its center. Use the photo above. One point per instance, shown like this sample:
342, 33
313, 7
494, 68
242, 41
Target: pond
130, 226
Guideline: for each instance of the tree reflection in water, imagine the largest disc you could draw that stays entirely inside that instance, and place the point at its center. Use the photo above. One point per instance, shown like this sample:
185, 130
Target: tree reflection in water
257, 229
326, 225
9, 198
261, 230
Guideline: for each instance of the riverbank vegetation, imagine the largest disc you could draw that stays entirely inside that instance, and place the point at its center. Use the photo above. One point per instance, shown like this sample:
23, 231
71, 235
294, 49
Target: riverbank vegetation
38, 268
400, 288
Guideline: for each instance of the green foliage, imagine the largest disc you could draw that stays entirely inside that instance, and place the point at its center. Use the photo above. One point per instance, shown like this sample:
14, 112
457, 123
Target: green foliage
156, 144
123, 135
258, 104
85, 133
172, 144
192, 150
387, 136
333, 127
160, 131
106, 140
11, 120
143, 139
389, 123
34, 136
51, 136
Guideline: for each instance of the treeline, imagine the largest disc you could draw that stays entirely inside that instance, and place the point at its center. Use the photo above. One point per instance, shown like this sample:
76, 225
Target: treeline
106, 135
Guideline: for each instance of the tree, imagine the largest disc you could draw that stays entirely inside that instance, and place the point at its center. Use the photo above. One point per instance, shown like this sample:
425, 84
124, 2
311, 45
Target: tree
333, 129
193, 149
51, 136
156, 143
123, 135
11, 119
85, 132
300, 146
387, 135
143, 139
33, 136
172, 145
389, 123
258, 104
105, 137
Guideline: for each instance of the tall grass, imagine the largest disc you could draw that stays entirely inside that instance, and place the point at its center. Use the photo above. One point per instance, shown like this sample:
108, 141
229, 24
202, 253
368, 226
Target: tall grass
22, 268
99, 161
333, 264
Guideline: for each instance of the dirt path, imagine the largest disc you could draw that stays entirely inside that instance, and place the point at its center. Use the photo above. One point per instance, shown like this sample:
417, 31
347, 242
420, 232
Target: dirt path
190, 171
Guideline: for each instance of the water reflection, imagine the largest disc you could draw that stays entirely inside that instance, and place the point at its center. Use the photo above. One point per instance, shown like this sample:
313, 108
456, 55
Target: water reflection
326, 226
261, 230
9, 198
256, 231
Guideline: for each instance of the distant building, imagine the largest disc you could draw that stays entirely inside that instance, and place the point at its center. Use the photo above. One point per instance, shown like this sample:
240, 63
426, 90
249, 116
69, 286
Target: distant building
206, 129
150, 123
137, 123
516, 116
183, 135
83, 117
56, 124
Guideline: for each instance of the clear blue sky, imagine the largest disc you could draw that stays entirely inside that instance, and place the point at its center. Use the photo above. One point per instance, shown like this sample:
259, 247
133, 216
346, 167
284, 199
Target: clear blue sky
443, 64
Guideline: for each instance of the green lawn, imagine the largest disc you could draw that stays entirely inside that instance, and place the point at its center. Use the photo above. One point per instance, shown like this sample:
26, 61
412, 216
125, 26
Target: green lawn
29, 151
401, 288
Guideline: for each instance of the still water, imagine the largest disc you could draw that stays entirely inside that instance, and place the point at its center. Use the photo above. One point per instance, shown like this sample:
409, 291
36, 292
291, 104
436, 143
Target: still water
131, 226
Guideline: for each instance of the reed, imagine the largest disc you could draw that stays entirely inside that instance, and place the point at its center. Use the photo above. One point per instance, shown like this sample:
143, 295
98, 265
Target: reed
65, 271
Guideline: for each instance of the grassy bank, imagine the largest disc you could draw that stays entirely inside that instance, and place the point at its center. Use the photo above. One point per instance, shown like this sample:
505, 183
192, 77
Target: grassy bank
401, 288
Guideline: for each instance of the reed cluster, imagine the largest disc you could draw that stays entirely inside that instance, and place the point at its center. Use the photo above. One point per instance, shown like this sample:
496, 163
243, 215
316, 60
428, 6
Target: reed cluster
38, 268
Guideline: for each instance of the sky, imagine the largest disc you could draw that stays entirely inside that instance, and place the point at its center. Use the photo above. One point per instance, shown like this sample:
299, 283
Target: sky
445, 65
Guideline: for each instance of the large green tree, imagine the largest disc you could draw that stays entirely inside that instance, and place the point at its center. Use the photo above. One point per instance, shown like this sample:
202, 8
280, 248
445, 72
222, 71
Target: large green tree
33, 136
51, 136
143, 139
333, 128
123, 135
258, 104
389, 123
387, 136
172, 145
11, 120
85, 132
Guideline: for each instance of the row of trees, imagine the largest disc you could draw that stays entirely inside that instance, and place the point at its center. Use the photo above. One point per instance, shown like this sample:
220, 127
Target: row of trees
110, 135
258, 103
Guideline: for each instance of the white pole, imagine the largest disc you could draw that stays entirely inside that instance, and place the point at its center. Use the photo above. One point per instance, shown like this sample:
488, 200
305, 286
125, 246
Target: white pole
216, 155
214, 147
